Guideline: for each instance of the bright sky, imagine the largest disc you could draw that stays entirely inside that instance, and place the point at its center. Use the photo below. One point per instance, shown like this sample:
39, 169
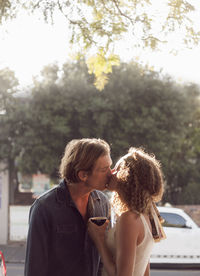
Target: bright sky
27, 44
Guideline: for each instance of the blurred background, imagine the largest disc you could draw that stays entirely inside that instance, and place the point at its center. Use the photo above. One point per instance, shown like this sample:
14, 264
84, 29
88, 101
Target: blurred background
135, 83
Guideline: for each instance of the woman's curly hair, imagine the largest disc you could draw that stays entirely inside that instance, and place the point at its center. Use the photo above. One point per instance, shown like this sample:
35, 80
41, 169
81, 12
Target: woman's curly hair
140, 182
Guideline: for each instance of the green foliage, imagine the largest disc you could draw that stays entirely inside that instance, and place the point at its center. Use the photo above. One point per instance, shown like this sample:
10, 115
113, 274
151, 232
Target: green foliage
97, 26
190, 194
101, 66
135, 109
8, 114
8, 84
12, 121
5, 9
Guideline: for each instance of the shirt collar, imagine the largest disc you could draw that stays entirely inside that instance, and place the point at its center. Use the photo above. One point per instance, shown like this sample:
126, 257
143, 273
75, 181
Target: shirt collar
63, 194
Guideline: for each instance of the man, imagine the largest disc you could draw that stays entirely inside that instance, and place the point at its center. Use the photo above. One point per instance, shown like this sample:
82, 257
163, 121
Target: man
58, 243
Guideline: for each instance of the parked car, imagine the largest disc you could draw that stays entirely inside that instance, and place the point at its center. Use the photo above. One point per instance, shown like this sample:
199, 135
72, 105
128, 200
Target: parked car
2, 265
182, 245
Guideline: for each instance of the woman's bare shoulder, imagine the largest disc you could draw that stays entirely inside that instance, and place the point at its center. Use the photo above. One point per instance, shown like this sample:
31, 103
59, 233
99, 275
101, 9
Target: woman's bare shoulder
128, 227
129, 218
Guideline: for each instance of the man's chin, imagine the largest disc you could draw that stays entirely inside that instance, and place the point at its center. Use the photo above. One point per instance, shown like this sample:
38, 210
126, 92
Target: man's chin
102, 188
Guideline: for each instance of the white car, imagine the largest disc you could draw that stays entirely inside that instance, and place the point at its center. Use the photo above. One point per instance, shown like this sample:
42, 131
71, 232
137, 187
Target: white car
182, 245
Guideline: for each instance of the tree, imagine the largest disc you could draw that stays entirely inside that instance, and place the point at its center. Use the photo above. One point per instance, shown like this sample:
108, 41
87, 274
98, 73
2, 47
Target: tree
134, 110
191, 191
11, 126
48, 126
97, 25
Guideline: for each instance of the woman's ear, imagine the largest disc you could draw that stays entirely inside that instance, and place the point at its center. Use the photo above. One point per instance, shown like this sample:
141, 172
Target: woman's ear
82, 175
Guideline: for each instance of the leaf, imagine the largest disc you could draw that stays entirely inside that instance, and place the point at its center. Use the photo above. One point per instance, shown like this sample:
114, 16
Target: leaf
101, 66
101, 81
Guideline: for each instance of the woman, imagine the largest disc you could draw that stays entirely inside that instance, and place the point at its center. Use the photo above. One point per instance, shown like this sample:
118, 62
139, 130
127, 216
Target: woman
125, 249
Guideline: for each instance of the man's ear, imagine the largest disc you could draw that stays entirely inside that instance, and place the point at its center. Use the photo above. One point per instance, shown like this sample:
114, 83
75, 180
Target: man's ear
82, 175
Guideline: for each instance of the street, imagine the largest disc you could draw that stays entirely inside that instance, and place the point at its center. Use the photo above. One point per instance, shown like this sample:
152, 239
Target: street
174, 273
18, 270
15, 269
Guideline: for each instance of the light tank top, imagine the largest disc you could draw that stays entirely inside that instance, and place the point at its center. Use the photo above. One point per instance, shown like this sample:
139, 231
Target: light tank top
143, 250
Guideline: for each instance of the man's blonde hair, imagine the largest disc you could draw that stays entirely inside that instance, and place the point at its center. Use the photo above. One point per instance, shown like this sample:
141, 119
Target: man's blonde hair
81, 154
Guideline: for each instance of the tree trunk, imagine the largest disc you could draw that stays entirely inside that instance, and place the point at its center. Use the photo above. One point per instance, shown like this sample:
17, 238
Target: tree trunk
13, 181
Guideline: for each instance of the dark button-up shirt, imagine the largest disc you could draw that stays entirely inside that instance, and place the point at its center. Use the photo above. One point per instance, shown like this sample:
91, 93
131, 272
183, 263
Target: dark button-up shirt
58, 243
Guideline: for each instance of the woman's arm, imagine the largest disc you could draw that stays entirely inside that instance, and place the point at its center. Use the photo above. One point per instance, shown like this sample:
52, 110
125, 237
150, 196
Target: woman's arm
97, 233
127, 233
147, 271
